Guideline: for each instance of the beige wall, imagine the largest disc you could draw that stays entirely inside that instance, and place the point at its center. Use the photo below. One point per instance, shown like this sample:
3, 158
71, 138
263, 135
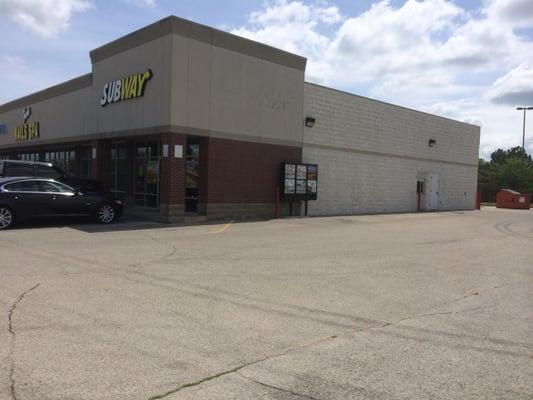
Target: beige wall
370, 155
78, 114
223, 93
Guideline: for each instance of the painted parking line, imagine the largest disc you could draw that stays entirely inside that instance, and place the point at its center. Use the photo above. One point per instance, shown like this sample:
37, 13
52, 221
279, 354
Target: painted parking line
224, 228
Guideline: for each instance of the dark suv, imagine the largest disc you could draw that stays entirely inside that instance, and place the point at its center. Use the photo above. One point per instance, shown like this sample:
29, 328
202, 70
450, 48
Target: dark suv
9, 168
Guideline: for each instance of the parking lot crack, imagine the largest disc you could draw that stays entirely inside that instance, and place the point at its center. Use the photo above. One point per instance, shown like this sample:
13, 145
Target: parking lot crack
238, 368
13, 334
305, 396
442, 313
199, 382
467, 296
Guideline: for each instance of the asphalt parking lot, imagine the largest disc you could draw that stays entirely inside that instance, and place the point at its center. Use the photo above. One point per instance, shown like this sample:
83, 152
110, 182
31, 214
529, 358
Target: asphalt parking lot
411, 306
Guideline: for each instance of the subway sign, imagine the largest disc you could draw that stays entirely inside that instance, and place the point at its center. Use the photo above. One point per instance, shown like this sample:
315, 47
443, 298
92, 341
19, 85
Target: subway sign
129, 87
27, 130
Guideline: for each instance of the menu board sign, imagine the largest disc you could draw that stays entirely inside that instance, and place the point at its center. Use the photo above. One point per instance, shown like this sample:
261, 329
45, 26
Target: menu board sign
299, 181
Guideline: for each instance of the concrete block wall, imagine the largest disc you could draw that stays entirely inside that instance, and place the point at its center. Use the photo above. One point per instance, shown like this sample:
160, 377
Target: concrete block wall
370, 155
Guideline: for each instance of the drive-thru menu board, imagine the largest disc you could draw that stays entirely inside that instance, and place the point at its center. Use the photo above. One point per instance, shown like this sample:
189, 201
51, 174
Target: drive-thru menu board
299, 181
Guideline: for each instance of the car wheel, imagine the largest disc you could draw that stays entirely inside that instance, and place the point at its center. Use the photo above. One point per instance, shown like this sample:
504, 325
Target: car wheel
106, 213
7, 218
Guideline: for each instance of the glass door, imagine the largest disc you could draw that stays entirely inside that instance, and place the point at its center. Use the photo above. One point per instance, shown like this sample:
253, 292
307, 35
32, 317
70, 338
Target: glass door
147, 159
192, 176
86, 161
119, 169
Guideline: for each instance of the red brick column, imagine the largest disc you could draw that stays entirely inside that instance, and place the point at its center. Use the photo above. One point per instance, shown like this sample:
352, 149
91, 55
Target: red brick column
172, 178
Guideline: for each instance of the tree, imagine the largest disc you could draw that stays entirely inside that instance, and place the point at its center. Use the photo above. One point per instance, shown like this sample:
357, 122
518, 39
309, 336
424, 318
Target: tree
507, 169
499, 156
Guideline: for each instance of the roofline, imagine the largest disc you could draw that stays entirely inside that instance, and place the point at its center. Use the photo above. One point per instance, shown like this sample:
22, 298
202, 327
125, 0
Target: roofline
203, 33
390, 104
71, 85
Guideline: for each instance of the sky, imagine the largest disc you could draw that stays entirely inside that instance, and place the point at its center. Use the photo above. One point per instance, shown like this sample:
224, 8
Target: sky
470, 60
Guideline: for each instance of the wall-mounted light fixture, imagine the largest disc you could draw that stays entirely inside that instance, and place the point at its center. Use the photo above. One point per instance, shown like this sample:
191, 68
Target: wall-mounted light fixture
432, 142
310, 122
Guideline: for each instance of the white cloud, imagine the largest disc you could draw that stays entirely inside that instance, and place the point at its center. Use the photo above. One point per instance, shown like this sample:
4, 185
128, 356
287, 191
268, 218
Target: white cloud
514, 88
17, 77
281, 12
143, 3
44, 17
12, 62
515, 12
294, 26
394, 47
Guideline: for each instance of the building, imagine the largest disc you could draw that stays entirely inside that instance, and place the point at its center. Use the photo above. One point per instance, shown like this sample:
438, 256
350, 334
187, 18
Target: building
183, 119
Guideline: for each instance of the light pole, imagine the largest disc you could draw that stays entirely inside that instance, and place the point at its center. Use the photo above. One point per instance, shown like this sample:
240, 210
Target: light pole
524, 131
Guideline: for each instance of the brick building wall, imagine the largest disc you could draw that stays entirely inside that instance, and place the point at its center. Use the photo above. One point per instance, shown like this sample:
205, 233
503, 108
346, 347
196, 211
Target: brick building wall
240, 178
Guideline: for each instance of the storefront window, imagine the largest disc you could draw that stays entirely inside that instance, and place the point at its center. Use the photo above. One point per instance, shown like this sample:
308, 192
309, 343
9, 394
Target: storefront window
63, 159
147, 174
85, 162
30, 156
119, 169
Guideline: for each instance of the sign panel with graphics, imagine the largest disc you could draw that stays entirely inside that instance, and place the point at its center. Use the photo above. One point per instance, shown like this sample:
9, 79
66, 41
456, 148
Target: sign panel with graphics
299, 181
129, 87
152, 172
27, 130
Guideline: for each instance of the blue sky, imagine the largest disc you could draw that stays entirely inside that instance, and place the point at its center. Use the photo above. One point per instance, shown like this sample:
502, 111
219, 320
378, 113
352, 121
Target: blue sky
464, 59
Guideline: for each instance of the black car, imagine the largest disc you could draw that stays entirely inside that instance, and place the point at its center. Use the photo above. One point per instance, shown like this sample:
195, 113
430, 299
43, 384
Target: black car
47, 170
29, 197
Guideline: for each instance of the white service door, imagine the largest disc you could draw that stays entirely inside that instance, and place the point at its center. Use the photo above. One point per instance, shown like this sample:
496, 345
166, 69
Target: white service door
432, 192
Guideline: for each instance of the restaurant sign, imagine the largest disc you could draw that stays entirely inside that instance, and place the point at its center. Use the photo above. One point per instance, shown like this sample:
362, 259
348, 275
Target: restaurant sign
126, 88
27, 130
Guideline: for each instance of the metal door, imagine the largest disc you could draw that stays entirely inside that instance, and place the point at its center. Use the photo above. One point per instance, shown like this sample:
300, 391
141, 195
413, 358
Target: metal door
432, 192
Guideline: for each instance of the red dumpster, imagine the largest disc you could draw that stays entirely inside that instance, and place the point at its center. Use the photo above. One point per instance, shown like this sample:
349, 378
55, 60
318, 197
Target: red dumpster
507, 198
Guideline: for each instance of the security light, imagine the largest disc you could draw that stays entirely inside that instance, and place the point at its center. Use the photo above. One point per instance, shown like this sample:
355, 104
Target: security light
432, 142
310, 122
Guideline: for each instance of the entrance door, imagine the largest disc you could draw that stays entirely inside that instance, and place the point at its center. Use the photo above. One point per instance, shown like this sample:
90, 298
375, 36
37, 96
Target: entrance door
420, 198
432, 192
192, 178
147, 174
119, 169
